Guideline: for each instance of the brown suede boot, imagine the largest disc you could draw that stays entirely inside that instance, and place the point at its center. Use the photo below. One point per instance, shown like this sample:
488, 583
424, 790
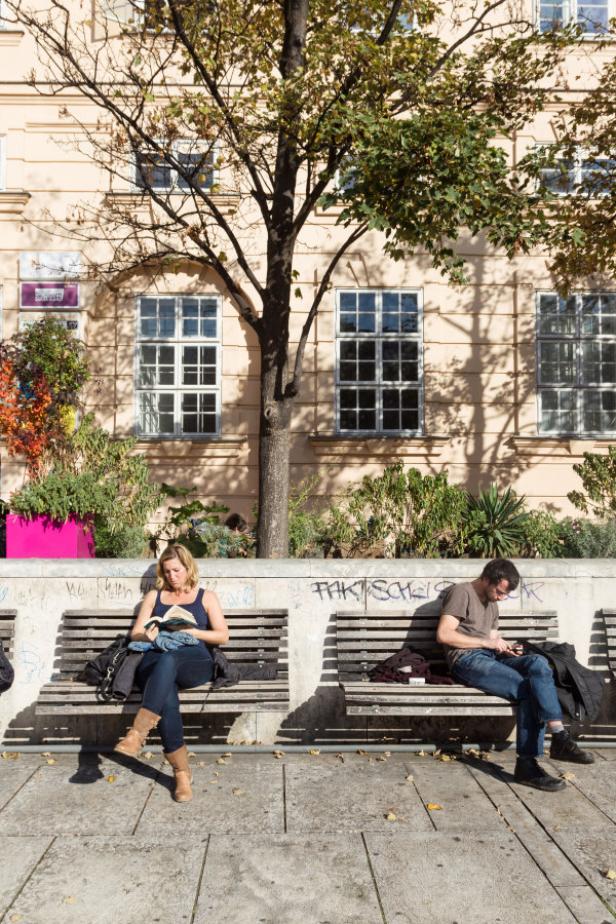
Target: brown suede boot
134, 740
183, 775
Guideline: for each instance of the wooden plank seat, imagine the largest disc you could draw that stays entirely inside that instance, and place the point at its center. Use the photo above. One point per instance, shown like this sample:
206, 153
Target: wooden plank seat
364, 639
7, 632
609, 621
257, 636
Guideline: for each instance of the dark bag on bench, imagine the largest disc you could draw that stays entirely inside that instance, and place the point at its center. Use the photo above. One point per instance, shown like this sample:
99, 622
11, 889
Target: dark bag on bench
7, 674
112, 671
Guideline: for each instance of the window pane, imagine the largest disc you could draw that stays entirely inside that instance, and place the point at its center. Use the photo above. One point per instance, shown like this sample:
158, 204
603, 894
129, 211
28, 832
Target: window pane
557, 363
152, 171
599, 363
198, 413
593, 17
599, 411
156, 414
558, 411
199, 168
357, 409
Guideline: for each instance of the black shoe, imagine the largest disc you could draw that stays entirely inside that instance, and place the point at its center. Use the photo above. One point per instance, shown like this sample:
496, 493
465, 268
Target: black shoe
529, 773
563, 747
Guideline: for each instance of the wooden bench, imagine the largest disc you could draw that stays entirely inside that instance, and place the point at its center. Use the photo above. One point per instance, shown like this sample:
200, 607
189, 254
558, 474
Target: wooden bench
257, 637
364, 639
609, 621
7, 632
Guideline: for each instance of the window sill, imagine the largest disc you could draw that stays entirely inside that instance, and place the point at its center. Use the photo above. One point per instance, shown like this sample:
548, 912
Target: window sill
205, 447
333, 447
227, 203
564, 446
13, 201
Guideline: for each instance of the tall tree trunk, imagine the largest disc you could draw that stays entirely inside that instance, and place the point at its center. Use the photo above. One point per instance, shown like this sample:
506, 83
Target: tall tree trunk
274, 432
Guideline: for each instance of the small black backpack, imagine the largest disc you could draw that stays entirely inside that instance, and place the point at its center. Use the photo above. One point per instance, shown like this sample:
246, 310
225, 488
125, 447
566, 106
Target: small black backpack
7, 674
101, 671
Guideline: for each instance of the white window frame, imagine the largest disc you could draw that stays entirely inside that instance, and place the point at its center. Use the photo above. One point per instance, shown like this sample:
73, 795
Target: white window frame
379, 385
182, 146
178, 389
579, 388
2, 163
570, 13
575, 174
3, 22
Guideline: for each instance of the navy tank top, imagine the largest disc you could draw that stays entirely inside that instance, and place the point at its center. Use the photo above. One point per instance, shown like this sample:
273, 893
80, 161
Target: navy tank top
196, 608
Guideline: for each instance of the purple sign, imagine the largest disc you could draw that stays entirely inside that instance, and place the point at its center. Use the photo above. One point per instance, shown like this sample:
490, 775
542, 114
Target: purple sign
49, 295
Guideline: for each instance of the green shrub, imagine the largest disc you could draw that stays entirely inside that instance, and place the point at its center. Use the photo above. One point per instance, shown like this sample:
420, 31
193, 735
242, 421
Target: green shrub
589, 538
130, 542
496, 523
306, 527
598, 474
399, 514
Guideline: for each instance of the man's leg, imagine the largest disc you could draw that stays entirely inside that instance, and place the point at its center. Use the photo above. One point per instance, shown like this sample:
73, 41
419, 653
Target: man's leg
483, 670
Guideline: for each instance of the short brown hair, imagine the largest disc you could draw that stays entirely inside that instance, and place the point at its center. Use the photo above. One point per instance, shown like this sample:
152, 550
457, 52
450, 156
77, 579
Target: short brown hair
501, 569
183, 555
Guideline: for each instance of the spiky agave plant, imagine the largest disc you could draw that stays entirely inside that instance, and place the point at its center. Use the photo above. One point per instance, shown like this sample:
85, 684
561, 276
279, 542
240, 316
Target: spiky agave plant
497, 523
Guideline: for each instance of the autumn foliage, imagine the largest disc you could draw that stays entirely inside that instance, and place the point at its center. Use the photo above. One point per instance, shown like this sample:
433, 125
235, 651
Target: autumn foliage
41, 373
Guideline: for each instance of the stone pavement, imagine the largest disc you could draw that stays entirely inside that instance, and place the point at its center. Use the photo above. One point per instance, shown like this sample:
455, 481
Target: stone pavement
304, 839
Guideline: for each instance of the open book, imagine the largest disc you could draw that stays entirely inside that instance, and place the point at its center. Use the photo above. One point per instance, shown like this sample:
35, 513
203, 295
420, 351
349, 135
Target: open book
175, 618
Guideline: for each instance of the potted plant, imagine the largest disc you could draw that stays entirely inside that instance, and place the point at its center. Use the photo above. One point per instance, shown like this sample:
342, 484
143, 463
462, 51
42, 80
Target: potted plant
79, 480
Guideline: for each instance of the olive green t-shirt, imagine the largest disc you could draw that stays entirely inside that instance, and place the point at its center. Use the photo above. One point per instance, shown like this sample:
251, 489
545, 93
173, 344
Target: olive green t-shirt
476, 619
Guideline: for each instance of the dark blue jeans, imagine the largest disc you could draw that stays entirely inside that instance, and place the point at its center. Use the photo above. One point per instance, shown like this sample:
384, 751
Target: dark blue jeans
526, 680
160, 675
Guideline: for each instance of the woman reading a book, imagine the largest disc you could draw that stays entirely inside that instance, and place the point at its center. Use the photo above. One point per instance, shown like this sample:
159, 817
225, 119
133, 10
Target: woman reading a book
178, 604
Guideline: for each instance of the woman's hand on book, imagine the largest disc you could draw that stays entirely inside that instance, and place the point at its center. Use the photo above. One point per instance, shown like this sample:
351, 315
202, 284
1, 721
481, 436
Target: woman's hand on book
151, 632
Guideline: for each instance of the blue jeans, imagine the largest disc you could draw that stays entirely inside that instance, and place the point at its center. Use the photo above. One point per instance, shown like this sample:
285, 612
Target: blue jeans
526, 680
160, 675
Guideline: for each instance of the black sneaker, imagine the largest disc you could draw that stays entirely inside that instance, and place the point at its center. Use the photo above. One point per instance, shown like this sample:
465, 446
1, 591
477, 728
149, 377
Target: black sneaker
529, 773
563, 747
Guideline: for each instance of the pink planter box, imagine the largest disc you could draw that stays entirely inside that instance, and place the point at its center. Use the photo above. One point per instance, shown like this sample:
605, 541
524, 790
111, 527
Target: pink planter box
45, 538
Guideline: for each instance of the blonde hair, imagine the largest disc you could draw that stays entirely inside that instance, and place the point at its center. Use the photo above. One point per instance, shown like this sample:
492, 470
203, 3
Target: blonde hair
183, 555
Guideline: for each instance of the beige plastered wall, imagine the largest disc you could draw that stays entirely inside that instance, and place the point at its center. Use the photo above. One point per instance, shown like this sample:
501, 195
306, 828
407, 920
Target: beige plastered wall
480, 400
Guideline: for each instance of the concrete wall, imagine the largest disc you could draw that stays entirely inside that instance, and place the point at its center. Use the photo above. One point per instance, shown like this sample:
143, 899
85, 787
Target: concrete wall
312, 590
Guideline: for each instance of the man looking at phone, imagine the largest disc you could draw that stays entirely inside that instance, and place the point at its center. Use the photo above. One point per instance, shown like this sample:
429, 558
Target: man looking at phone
478, 657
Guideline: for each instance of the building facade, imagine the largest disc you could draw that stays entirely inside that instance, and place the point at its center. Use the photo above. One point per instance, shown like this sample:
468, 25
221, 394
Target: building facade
500, 381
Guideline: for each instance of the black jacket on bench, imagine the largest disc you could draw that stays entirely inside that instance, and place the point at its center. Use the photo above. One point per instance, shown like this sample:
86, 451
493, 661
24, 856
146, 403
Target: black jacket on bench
579, 689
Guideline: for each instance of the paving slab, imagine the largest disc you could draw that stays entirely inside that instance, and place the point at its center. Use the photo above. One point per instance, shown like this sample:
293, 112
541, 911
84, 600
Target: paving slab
13, 775
597, 782
79, 797
593, 853
288, 880
568, 807
232, 797
104, 880
445, 878
357, 796
586, 905
464, 805
18, 858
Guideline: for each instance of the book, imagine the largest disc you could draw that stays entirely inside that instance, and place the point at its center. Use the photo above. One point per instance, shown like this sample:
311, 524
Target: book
175, 618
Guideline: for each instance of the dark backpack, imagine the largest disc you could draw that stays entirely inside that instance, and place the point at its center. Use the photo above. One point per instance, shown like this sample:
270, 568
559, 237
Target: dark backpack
7, 674
101, 671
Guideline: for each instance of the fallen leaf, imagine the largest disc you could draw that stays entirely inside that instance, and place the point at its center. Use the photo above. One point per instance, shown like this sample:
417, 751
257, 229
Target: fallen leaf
386, 753
192, 754
10, 755
474, 753
610, 873
111, 778
443, 757
221, 760
485, 755
201, 763
314, 752
147, 755
51, 761
381, 757
409, 778
568, 775
278, 754
46, 754
433, 807
390, 816
362, 753
422, 754
70, 900
15, 918
237, 791
340, 757
227, 755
